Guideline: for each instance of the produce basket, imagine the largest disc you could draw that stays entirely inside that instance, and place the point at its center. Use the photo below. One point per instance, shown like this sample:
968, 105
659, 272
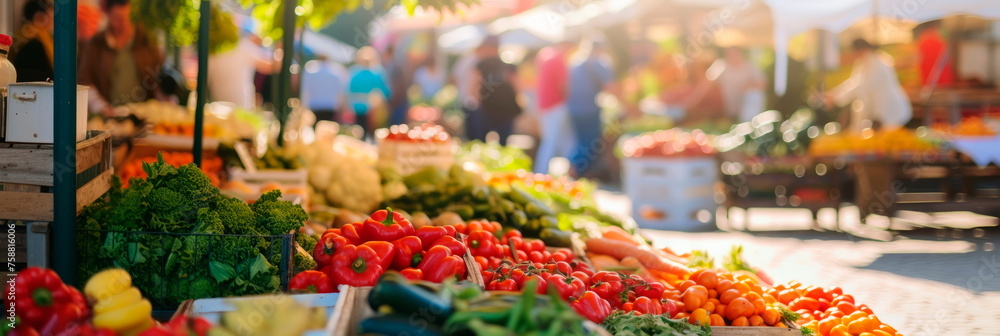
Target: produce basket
755, 331
212, 309
170, 268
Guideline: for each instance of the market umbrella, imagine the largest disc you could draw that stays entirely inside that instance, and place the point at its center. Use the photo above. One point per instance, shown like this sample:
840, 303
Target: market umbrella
316, 43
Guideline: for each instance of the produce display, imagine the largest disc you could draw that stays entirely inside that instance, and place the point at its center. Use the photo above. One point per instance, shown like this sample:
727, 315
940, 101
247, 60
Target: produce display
427, 133
769, 135
45, 305
900, 141
357, 254
467, 310
184, 238
222, 121
669, 143
212, 167
969, 126
117, 305
494, 157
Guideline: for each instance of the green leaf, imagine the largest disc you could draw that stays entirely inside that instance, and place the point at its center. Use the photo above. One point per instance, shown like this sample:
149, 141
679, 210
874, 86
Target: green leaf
221, 272
259, 265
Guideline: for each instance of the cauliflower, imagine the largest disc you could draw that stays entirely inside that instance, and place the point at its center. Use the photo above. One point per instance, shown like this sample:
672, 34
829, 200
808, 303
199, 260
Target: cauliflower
344, 175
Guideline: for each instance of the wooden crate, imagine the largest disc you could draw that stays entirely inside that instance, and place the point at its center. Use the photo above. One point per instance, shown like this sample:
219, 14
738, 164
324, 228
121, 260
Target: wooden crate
26, 175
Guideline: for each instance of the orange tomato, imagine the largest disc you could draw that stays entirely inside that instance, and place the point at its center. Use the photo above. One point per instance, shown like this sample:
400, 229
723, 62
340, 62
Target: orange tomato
693, 276
759, 306
887, 328
740, 322
770, 299
709, 306
806, 303
875, 321
860, 325
846, 297
864, 308
846, 307
836, 313
716, 320
714, 301
685, 285
721, 309
728, 296
755, 320
878, 332
739, 307
695, 297
854, 316
672, 294
836, 291
771, 316
780, 325
723, 286
755, 287
708, 279
811, 325
726, 275
680, 315
742, 287
713, 293
866, 334
699, 316
827, 324
787, 296
839, 330
815, 292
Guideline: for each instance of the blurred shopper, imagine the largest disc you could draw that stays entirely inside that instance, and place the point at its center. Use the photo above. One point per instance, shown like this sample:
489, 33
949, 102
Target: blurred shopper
741, 83
121, 63
557, 135
33, 49
430, 78
934, 60
462, 74
231, 72
367, 77
589, 74
400, 79
323, 88
494, 90
874, 86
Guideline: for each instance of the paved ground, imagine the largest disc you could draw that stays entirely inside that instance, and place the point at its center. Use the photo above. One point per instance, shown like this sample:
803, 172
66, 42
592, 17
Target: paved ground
924, 282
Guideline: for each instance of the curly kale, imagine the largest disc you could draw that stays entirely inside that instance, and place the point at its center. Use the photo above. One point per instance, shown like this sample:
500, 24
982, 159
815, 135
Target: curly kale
302, 261
307, 242
276, 216
181, 239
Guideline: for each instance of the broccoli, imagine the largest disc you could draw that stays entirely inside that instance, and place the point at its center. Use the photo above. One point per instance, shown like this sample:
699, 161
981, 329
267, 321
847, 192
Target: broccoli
307, 242
276, 216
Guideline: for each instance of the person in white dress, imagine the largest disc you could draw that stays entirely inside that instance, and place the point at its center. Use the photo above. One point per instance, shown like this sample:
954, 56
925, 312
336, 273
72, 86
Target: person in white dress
873, 90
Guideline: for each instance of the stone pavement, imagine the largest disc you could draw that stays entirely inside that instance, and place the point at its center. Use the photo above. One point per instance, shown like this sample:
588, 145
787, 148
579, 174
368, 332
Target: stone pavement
923, 283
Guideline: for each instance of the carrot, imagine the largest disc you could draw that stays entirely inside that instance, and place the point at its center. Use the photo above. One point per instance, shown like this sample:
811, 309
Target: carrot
640, 270
620, 250
616, 233
603, 262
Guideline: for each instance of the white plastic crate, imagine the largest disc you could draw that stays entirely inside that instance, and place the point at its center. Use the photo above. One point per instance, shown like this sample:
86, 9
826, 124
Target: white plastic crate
411, 157
671, 193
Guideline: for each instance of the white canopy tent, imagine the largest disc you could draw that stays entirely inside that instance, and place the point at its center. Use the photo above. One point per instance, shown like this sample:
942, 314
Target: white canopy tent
793, 17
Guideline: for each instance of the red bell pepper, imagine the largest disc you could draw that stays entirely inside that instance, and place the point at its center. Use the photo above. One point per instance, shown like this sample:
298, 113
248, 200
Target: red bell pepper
386, 225
567, 286
352, 232
591, 306
327, 246
645, 305
482, 243
429, 234
385, 250
412, 273
652, 290
356, 266
456, 246
45, 303
450, 230
438, 264
409, 252
311, 282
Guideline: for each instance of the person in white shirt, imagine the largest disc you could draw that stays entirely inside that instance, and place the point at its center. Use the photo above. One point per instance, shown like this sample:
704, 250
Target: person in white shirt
324, 87
741, 83
873, 90
231, 73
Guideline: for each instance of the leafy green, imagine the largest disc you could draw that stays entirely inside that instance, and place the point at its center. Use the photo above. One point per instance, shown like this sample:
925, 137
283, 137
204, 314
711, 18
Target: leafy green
806, 331
181, 239
495, 157
734, 262
701, 259
623, 323
787, 315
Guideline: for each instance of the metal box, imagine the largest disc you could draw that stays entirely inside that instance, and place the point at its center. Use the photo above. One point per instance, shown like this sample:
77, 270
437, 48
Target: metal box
30, 112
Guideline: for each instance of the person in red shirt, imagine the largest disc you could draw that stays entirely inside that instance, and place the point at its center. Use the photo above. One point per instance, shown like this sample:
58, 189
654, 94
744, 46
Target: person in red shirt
557, 137
931, 48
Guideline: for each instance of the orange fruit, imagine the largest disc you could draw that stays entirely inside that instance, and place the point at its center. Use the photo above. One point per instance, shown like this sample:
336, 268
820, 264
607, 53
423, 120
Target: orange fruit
693, 276
728, 296
709, 306
713, 293
716, 320
708, 279
714, 301
770, 299
827, 324
672, 294
759, 306
742, 287
695, 297
699, 316
887, 328
860, 325
755, 320
771, 316
740, 322
739, 307
721, 309
685, 285
878, 332
723, 286
839, 330
865, 308
680, 315
780, 325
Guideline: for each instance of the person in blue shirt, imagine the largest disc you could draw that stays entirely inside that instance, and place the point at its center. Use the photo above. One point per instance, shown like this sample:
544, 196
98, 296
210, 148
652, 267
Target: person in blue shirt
367, 77
324, 88
589, 74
